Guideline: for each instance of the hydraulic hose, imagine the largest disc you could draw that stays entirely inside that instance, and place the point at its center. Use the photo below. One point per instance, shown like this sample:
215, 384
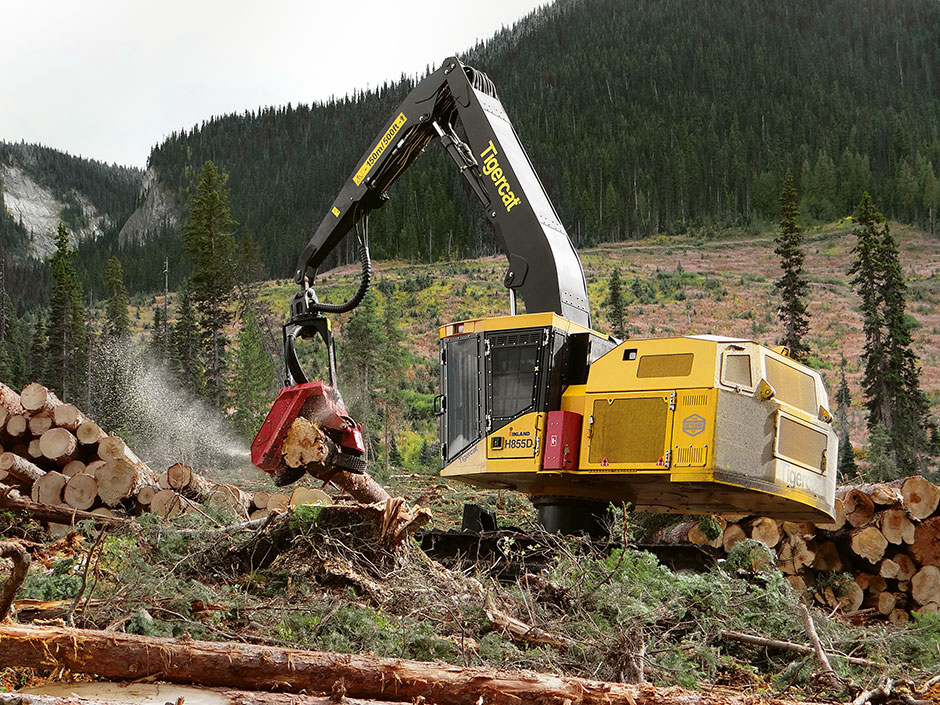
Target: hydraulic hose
364, 280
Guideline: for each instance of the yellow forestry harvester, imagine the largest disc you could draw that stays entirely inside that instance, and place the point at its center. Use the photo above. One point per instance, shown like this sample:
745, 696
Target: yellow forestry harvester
538, 401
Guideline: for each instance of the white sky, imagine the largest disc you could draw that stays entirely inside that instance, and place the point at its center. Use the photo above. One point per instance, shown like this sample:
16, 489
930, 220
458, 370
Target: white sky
109, 79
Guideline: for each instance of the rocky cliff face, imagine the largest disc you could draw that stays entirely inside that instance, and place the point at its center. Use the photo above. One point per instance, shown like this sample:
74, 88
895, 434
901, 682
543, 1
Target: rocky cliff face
40, 212
157, 209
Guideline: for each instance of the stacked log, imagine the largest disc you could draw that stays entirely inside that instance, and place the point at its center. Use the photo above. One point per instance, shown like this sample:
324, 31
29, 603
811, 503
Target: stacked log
880, 555
58, 457
54, 454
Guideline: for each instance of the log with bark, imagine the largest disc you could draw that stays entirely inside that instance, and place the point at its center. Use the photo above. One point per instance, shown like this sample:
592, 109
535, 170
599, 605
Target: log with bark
23, 470
859, 507
36, 398
59, 445
48, 489
121, 693
869, 543
308, 447
926, 546
89, 433
11, 499
10, 400
119, 479
81, 491
39, 424
18, 426
920, 497
181, 478
15, 551
132, 657
68, 416
765, 530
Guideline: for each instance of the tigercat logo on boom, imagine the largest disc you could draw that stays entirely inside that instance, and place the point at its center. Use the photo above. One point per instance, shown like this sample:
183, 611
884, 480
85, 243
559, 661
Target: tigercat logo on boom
386, 140
492, 169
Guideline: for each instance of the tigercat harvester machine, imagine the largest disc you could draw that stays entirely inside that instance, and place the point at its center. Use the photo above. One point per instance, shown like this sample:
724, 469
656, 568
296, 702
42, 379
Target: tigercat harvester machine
538, 401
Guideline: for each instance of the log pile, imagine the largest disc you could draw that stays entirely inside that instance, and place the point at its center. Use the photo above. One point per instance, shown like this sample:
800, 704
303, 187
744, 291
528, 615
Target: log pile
54, 455
880, 556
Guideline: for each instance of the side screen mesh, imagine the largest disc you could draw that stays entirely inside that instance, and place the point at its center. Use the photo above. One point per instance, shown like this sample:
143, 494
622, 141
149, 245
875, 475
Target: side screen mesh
793, 387
629, 430
801, 444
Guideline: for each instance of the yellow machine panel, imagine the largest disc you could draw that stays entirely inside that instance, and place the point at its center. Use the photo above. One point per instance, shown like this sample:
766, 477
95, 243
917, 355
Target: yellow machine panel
688, 424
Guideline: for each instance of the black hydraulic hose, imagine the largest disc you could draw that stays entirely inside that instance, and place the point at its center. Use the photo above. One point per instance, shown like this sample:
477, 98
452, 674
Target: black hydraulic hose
364, 281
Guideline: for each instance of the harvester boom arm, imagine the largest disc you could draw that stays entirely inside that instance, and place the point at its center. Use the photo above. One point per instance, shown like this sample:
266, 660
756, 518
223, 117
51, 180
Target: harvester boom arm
544, 268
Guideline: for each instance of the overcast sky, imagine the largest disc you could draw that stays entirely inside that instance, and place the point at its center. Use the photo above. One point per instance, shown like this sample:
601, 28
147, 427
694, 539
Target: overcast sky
108, 79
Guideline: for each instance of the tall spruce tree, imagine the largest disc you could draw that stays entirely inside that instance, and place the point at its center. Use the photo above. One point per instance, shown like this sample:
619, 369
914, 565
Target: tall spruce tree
186, 346
896, 405
791, 285
66, 353
616, 310
210, 245
363, 352
37, 348
118, 323
910, 405
254, 380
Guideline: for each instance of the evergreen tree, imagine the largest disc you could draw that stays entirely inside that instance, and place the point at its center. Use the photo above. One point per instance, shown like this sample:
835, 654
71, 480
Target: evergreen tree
186, 345
792, 283
363, 353
880, 456
616, 311
896, 405
65, 362
428, 457
118, 322
843, 400
848, 468
158, 341
254, 380
14, 343
393, 368
908, 423
210, 245
37, 349
394, 453
867, 271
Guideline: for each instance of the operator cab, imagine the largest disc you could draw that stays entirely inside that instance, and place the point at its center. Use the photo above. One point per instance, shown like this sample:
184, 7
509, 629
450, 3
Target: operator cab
496, 371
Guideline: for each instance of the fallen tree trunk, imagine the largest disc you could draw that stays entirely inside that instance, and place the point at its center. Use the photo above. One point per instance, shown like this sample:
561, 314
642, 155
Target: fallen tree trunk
16, 552
13, 500
100, 694
251, 667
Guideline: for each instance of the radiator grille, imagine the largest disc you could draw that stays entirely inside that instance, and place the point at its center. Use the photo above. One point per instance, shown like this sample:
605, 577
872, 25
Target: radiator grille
690, 457
801, 444
629, 430
695, 399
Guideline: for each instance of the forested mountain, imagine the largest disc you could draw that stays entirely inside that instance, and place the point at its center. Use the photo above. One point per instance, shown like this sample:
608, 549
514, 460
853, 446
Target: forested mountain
640, 117
40, 187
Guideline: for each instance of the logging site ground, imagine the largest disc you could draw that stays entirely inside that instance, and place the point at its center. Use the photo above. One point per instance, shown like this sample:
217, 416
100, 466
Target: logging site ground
715, 605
